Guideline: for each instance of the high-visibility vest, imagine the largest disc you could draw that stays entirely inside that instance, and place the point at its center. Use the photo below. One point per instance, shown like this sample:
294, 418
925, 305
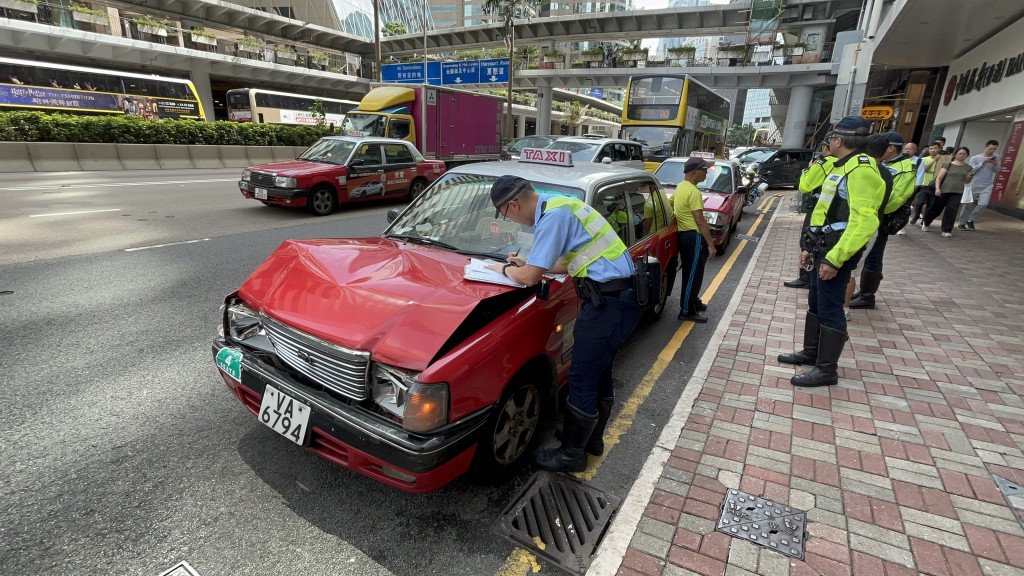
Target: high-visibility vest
604, 242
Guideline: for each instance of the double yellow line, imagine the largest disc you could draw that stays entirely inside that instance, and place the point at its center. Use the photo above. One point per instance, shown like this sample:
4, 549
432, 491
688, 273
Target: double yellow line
520, 561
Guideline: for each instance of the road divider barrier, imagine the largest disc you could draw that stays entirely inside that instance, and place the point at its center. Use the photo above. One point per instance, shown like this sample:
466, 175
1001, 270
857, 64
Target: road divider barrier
70, 156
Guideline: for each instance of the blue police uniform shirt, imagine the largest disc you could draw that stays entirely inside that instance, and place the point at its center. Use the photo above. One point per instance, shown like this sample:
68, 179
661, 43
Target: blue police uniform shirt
559, 231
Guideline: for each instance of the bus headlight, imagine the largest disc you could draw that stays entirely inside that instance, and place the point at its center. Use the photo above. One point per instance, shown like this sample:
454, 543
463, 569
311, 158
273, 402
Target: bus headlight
421, 407
246, 176
713, 218
284, 182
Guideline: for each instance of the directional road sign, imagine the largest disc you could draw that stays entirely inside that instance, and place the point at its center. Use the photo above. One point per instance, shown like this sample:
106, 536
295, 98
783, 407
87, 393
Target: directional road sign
491, 71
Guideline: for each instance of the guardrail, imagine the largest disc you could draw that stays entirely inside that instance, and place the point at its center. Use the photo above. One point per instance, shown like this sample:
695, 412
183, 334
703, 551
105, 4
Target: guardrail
70, 157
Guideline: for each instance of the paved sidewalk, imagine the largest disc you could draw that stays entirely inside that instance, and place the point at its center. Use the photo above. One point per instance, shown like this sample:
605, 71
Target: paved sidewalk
894, 465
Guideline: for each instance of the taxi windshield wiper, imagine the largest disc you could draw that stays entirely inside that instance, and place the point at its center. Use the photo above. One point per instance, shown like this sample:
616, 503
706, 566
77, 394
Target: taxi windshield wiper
423, 240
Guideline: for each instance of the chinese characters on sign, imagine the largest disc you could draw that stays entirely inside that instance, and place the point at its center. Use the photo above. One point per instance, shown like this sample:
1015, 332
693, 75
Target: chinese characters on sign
492, 71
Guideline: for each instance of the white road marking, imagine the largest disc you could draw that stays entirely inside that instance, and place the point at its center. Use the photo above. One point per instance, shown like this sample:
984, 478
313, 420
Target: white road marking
165, 245
74, 213
116, 184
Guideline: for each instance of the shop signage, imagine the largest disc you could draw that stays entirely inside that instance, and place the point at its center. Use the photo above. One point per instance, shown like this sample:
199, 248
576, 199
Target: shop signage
876, 112
981, 77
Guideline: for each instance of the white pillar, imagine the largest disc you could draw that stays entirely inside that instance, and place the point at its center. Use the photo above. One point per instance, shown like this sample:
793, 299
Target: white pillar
520, 126
201, 80
544, 111
795, 131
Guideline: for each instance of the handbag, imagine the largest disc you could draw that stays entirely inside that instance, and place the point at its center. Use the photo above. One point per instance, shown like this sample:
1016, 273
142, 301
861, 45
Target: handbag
897, 220
967, 197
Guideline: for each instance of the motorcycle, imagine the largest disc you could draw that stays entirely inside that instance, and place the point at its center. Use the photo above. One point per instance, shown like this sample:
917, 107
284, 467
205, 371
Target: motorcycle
756, 185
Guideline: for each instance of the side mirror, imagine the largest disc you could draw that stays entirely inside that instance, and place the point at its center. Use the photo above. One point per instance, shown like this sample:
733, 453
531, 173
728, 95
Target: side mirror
356, 163
741, 190
393, 214
606, 160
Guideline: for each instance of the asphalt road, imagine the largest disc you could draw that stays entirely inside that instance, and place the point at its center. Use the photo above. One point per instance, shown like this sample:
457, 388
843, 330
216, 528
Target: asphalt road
124, 453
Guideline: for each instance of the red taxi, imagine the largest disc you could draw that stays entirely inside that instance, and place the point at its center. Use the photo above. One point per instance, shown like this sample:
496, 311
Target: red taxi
723, 191
340, 169
384, 356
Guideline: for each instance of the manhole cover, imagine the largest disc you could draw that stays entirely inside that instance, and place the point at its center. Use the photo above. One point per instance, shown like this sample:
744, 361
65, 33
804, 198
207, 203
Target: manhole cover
559, 519
748, 238
181, 569
764, 522
1014, 494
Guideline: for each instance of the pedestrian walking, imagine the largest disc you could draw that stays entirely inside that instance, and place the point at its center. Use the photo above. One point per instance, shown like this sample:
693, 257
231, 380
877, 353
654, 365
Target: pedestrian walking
810, 189
696, 246
572, 237
843, 221
984, 168
924, 193
949, 189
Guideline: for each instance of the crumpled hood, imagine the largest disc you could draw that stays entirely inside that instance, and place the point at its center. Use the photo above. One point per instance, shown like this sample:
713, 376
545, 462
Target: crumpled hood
399, 301
713, 201
298, 168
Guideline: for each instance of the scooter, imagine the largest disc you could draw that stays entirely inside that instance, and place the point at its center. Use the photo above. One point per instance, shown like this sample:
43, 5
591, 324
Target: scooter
756, 185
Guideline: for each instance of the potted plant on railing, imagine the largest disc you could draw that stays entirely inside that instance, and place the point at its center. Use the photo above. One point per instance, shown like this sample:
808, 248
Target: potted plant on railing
319, 58
249, 44
553, 57
82, 13
147, 25
592, 55
729, 52
336, 69
633, 55
200, 36
791, 49
286, 54
579, 64
681, 54
20, 5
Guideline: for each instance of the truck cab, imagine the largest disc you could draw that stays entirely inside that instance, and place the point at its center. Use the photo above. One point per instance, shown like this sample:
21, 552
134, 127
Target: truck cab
385, 112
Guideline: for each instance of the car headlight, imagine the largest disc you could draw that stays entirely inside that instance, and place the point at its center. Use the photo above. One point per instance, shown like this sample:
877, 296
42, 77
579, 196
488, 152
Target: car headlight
284, 182
421, 407
712, 217
242, 321
246, 175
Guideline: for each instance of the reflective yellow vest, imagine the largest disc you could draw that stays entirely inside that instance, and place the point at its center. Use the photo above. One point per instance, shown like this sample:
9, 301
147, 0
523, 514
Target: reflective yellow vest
857, 214
604, 242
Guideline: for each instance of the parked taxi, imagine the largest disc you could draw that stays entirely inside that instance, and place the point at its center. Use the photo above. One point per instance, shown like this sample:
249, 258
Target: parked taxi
341, 169
379, 355
723, 191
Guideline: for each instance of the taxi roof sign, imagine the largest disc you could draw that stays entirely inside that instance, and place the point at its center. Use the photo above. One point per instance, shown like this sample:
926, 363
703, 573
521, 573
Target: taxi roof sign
546, 156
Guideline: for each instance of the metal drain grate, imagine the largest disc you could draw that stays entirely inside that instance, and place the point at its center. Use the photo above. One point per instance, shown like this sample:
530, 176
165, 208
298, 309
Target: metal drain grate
748, 238
559, 519
764, 522
1014, 494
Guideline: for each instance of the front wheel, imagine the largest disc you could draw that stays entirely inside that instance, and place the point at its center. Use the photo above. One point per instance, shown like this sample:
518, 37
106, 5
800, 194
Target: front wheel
322, 201
416, 188
512, 431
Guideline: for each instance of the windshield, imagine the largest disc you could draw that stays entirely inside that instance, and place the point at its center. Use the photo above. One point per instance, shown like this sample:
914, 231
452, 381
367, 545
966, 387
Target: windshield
329, 150
754, 156
658, 142
581, 151
457, 211
719, 178
363, 124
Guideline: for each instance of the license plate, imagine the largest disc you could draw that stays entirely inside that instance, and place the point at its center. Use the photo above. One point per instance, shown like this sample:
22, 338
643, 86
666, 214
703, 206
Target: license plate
285, 415
261, 193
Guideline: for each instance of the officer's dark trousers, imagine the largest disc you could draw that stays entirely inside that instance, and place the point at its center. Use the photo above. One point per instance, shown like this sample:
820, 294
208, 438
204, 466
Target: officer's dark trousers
598, 335
948, 205
826, 297
873, 261
693, 255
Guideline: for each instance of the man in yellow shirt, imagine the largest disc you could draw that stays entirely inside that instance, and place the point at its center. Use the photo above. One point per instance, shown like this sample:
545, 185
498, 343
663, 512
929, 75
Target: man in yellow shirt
696, 246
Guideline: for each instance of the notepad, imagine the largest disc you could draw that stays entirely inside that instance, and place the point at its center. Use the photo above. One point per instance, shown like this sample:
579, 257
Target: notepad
477, 271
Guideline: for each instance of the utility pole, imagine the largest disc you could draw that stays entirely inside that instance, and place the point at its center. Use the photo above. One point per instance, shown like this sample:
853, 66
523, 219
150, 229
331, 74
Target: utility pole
376, 39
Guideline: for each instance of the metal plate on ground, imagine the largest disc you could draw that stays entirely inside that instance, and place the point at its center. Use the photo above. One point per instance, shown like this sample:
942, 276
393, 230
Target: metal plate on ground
1014, 494
748, 238
559, 519
181, 569
764, 522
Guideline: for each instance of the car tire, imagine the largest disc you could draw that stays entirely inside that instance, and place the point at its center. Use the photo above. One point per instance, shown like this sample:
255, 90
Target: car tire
721, 248
652, 314
415, 189
322, 200
513, 430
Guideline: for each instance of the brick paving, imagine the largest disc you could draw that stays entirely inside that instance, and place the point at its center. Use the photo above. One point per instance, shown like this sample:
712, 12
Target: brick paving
894, 465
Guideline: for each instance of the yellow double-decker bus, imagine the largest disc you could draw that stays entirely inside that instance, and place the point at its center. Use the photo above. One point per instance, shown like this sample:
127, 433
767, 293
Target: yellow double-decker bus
674, 116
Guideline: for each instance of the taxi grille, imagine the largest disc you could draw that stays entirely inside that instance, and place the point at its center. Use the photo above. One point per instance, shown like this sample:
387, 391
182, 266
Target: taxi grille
338, 369
261, 179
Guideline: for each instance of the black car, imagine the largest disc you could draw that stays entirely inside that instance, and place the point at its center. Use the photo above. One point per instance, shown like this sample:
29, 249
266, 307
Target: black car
778, 166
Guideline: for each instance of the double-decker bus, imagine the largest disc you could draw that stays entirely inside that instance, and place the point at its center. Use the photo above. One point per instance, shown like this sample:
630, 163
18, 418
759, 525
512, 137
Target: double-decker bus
674, 116
257, 105
56, 87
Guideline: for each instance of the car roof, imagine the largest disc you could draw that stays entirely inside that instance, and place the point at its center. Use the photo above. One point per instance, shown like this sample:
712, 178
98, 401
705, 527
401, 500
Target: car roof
592, 140
586, 175
683, 159
368, 139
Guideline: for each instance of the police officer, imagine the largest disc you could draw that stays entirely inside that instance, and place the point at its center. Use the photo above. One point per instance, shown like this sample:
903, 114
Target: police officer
810, 189
844, 219
572, 237
903, 176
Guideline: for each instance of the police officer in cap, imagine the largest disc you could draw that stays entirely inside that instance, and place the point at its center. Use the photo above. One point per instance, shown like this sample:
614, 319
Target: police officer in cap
844, 219
810, 188
572, 237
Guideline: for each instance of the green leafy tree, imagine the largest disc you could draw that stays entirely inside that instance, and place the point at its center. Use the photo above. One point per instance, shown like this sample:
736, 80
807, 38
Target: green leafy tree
395, 28
573, 115
319, 111
506, 12
740, 135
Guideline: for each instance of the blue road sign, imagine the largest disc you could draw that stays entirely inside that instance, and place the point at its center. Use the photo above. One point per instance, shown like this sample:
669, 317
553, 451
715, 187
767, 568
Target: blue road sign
409, 72
494, 70
490, 71
597, 93
459, 73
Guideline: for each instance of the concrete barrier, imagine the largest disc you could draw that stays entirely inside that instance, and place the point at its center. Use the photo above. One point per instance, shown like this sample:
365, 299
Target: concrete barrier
233, 156
138, 156
259, 154
98, 156
205, 156
282, 153
53, 156
173, 156
299, 150
14, 157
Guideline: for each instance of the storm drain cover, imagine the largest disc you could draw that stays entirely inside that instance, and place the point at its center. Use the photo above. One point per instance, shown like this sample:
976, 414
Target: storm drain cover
181, 569
764, 522
1014, 494
748, 238
559, 519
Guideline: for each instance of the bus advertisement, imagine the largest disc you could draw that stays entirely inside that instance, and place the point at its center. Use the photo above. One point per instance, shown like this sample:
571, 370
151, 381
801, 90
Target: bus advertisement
29, 85
257, 105
674, 116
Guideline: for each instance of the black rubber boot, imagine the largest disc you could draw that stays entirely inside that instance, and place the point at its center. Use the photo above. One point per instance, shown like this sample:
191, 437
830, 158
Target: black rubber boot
569, 457
809, 354
869, 282
595, 445
825, 372
803, 281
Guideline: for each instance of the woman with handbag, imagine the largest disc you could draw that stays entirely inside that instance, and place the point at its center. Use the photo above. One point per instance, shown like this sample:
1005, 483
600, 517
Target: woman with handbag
949, 188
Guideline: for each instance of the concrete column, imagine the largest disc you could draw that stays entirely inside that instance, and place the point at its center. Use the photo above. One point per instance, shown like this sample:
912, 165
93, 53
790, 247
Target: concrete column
520, 126
795, 131
544, 104
201, 80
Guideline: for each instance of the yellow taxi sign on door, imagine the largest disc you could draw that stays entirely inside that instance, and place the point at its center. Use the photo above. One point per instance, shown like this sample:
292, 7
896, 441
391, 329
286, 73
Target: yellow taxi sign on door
876, 112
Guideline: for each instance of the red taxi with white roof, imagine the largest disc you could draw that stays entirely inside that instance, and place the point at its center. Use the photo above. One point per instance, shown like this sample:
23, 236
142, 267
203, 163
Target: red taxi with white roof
723, 192
342, 169
380, 355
